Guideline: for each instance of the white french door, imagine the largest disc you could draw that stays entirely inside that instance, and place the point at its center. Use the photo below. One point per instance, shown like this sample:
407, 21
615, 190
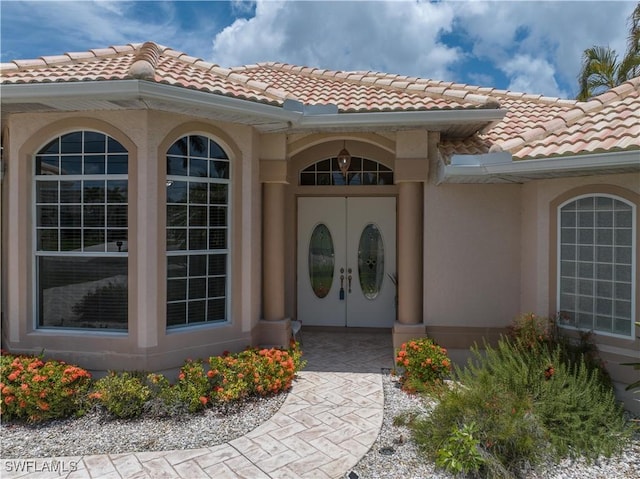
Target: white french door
346, 261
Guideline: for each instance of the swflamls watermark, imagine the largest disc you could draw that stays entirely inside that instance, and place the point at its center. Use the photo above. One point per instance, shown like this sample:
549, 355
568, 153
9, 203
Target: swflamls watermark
40, 465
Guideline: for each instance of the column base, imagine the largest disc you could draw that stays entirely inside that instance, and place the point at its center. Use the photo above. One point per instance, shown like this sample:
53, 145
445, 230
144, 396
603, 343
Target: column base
402, 333
274, 334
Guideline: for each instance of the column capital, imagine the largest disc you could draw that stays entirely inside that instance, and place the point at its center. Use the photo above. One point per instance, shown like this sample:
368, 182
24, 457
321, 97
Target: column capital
273, 171
411, 170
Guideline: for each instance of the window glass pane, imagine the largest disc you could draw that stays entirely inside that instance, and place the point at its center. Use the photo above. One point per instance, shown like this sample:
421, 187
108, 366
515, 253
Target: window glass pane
604, 236
71, 215
216, 151
196, 311
71, 143
604, 219
176, 239
623, 255
83, 292
622, 326
93, 239
176, 289
216, 310
177, 192
604, 289
586, 203
117, 191
197, 239
177, 266
604, 203
47, 192
117, 164
71, 239
623, 273
218, 194
117, 216
197, 287
371, 261
47, 165
70, 191
94, 165
199, 147
198, 167
94, 142
217, 216
197, 216
217, 287
179, 147
53, 147
176, 215
217, 264
623, 219
93, 192
198, 265
48, 240
218, 238
176, 166
623, 309
321, 260
198, 193
585, 287
219, 169
47, 215
585, 219
176, 314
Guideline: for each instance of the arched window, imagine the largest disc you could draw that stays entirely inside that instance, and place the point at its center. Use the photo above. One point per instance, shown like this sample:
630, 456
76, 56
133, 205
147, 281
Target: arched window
81, 243
361, 172
596, 263
198, 184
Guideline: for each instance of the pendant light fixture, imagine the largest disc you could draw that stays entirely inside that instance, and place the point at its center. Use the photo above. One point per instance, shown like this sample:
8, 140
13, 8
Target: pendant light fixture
344, 159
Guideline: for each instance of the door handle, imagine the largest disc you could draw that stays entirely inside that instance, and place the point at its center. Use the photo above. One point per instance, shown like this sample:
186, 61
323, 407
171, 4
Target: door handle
341, 283
349, 279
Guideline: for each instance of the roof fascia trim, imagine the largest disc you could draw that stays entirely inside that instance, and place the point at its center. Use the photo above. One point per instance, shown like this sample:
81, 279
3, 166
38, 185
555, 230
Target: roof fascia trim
403, 118
520, 168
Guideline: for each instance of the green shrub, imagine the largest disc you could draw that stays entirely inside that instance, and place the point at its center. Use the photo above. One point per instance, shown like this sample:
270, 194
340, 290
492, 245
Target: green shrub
192, 389
124, 394
460, 452
38, 390
528, 406
423, 363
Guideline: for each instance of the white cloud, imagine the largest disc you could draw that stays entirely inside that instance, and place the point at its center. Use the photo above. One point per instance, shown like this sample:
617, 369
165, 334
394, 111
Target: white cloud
534, 75
399, 37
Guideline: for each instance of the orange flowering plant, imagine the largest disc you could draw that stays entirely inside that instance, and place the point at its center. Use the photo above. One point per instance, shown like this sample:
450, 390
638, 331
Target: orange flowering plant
37, 390
423, 363
253, 372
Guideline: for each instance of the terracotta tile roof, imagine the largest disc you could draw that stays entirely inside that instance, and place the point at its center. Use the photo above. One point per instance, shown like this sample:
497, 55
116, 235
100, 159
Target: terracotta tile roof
267, 82
534, 126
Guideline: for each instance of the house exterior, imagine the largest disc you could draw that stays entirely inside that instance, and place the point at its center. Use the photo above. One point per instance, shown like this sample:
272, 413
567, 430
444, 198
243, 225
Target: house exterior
157, 207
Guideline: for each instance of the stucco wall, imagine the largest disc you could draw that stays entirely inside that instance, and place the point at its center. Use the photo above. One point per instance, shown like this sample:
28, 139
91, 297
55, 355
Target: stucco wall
472, 255
147, 344
538, 267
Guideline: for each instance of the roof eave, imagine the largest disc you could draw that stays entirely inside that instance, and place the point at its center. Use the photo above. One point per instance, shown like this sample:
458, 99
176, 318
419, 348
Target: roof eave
123, 94
522, 171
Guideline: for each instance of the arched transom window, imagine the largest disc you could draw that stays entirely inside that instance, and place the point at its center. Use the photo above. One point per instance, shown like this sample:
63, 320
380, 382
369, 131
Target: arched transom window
361, 172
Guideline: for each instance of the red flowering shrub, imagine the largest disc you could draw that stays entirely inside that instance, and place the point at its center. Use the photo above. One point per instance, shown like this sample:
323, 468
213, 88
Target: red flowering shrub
38, 390
423, 363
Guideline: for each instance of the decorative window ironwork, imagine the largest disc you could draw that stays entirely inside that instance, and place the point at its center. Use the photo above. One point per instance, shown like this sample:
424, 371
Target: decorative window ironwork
361, 172
81, 226
596, 264
371, 261
198, 183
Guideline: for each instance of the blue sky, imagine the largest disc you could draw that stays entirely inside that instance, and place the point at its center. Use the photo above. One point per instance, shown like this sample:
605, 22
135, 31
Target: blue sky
531, 46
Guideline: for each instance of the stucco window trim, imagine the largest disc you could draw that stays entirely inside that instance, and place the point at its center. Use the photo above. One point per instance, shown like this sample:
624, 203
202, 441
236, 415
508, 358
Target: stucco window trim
616, 192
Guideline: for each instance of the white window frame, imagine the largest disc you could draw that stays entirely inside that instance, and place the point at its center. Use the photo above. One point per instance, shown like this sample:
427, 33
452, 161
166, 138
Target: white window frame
44, 253
186, 252
634, 247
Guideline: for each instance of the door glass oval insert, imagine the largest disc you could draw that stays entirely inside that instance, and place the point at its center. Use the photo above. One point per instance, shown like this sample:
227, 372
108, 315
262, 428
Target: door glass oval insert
321, 260
371, 261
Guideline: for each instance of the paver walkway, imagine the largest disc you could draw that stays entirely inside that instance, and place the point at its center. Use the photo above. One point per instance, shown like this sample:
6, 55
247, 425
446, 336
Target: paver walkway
329, 420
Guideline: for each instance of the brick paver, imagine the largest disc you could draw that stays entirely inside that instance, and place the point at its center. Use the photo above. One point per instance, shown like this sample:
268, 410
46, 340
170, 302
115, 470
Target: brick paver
329, 420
